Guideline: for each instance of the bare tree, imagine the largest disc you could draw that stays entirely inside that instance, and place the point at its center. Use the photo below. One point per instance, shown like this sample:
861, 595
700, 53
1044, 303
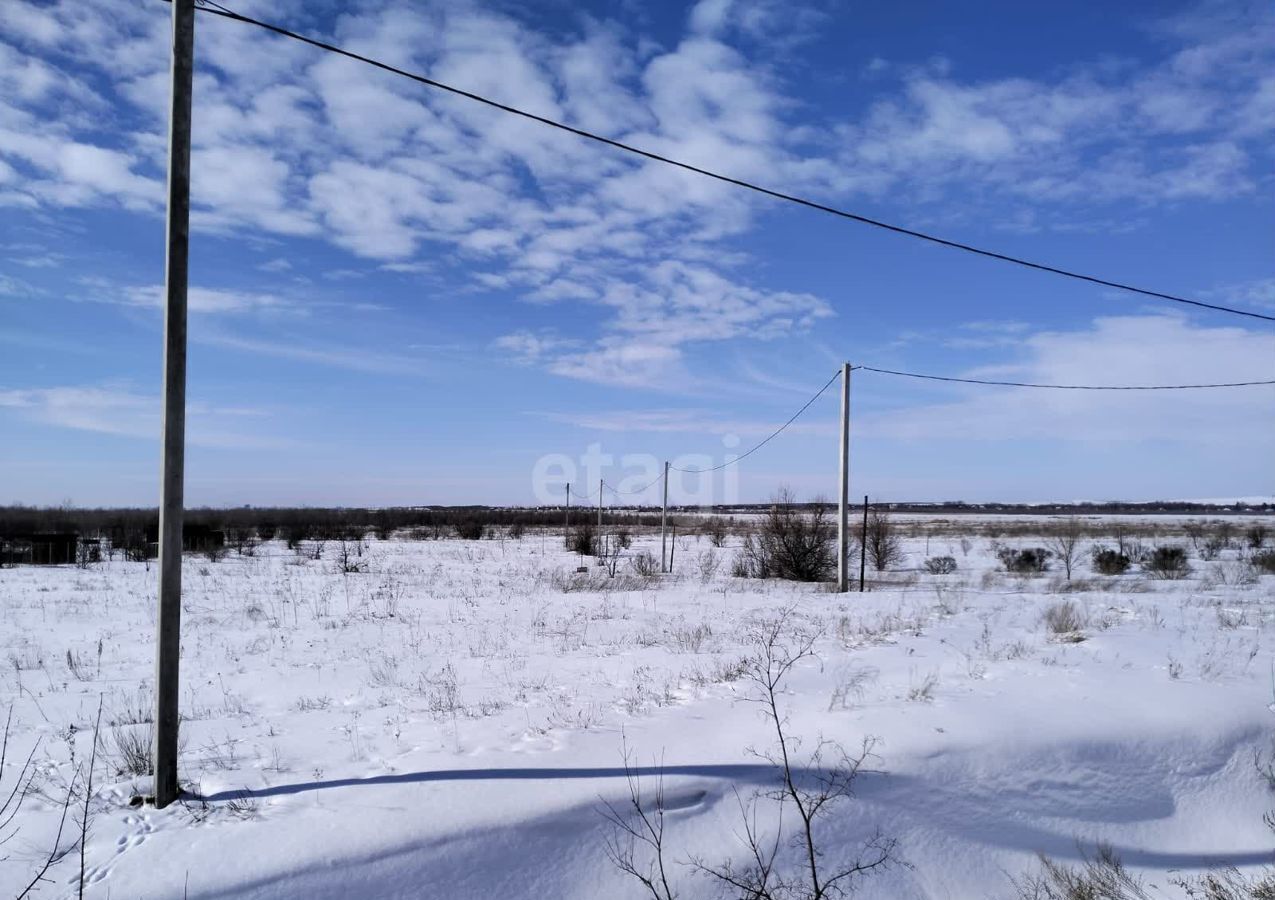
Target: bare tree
879, 540
790, 544
1065, 543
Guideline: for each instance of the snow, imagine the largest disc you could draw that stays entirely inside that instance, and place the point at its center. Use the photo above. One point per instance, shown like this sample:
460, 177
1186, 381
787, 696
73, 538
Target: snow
450, 722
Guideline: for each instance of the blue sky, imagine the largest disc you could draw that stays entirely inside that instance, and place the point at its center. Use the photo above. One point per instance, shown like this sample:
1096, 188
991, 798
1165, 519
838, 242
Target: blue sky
400, 297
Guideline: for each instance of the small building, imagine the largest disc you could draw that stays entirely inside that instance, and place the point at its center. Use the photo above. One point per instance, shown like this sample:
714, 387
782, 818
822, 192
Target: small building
195, 538
49, 549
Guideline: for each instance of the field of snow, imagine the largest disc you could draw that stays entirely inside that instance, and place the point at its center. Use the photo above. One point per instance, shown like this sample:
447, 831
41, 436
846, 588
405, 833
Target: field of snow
451, 721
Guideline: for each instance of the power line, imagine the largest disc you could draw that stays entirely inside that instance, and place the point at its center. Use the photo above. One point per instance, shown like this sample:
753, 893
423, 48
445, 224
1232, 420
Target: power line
643, 488
945, 378
217, 10
1069, 387
774, 434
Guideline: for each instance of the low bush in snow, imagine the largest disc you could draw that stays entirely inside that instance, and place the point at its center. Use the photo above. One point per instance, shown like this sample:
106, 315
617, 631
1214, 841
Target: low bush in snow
940, 565
1265, 561
645, 564
130, 749
1025, 561
1109, 562
1167, 563
582, 540
1101, 877
1064, 620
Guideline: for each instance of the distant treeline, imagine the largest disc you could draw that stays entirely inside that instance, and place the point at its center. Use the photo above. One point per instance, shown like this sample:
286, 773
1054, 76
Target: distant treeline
304, 523
1112, 507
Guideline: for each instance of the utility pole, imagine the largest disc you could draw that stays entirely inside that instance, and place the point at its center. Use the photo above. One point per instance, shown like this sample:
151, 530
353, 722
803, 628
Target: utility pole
863, 545
567, 525
599, 509
171, 502
664, 524
843, 506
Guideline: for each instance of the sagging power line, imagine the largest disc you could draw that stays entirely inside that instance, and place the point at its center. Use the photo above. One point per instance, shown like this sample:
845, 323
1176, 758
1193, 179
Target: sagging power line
925, 377
218, 10
1069, 387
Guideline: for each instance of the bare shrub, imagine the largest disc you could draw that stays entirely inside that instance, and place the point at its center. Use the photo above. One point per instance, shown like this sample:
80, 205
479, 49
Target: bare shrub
517, 530
1167, 563
940, 565
1025, 561
609, 554
470, 529
131, 749
707, 563
716, 531
622, 538
810, 788
923, 691
689, 638
349, 558
880, 541
582, 539
1109, 562
1100, 877
1064, 619
1104, 877
1265, 561
789, 544
645, 564
1256, 535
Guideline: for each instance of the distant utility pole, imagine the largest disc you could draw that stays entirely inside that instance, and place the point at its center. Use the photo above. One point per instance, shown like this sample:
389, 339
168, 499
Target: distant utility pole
168, 628
843, 507
863, 544
664, 524
567, 525
599, 507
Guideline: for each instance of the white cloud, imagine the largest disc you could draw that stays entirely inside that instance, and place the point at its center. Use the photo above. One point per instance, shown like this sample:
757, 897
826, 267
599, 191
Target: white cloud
528, 348
623, 362
198, 299
1257, 292
123, 412
1133, 350
685, 421
289, 142
1186, 126
371, 359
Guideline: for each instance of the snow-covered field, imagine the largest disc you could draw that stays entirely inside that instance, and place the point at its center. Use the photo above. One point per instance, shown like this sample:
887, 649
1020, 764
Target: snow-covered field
451, 721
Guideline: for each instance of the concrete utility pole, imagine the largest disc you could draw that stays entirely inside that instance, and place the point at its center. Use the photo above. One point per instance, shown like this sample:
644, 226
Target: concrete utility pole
843, 507
171, 502
664, 524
